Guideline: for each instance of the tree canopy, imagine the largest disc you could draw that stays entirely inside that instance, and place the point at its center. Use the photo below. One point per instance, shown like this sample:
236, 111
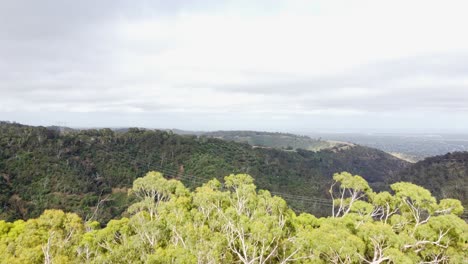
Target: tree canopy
233, 222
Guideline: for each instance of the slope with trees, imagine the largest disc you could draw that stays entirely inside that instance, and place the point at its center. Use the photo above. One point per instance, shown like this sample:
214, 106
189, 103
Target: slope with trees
283, 141
89, 171
445, 175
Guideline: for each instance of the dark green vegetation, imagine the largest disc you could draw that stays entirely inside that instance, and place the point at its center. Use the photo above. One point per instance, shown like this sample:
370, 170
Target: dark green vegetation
446, 175
231, 222
89, 171
276, 140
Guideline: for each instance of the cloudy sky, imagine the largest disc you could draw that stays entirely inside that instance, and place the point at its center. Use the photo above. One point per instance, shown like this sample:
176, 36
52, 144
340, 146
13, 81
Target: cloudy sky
298, 66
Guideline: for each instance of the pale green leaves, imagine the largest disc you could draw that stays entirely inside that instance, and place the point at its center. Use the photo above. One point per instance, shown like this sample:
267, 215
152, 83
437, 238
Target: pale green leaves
231, 222
348, 181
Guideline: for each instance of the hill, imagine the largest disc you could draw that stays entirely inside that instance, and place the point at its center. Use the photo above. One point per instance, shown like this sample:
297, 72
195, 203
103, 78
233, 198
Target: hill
445, 175
89, 171
284, 141
411, 147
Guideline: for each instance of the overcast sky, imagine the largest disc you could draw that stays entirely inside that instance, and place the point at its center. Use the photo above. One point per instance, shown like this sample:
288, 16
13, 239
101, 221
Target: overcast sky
297, 66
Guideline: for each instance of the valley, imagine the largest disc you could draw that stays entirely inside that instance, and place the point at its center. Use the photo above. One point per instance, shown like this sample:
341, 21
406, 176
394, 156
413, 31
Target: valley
74, 170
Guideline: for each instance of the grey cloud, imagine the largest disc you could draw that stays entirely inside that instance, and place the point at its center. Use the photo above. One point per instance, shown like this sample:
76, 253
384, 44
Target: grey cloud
63, 55
28, 19
378, 75
450, 97
386, 85
51, 34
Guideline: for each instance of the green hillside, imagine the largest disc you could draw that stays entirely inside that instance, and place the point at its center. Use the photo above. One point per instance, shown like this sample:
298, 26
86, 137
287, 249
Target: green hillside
284, 141
445, 175
89, 171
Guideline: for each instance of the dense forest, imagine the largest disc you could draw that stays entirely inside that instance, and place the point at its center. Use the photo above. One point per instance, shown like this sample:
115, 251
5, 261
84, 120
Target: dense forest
79, 171
232, 222
445, 175
284, 141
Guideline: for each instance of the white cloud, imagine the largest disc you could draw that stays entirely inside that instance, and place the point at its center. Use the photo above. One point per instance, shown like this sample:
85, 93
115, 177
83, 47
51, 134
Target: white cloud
272, 59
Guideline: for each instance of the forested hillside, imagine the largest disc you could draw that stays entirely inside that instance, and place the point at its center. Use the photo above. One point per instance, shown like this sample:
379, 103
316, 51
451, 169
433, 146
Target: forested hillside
276, 140
89, 171
230, 221
446, 175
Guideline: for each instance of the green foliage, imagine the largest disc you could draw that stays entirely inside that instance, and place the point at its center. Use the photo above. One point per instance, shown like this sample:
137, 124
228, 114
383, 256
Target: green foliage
445, 175
232, 222
450, 206
284, 141
89, 172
